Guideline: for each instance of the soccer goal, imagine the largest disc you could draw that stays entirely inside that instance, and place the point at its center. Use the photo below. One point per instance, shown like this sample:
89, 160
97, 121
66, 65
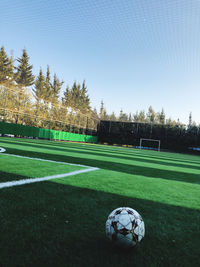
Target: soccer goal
149, 144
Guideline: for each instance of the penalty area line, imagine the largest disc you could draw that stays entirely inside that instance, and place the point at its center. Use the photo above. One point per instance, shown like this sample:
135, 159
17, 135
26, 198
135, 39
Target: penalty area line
46, 178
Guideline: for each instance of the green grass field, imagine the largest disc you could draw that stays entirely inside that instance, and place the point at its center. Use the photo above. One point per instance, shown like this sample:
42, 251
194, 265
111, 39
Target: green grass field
61, 222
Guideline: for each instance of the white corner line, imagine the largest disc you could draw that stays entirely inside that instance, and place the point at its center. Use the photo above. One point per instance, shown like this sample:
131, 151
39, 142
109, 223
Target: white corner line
46, 178
48, 160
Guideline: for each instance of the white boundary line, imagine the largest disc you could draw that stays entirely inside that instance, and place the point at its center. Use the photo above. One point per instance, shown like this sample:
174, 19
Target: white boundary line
48, 160
46, 178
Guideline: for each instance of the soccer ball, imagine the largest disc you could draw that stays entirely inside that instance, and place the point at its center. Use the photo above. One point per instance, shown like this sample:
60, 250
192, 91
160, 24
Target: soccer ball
125, 227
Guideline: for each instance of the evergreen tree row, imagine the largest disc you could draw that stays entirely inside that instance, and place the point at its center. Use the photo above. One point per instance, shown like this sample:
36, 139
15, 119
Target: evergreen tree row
43, 103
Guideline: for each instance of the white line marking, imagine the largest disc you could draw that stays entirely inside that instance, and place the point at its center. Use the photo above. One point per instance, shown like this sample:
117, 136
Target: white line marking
47, 160
46, 178
2, 150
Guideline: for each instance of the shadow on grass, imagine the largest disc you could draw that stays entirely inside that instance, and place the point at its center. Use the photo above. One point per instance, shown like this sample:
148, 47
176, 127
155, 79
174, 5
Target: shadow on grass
7, 177
135, 157
50, 224
136, 152
109, 165
102, 148
123, 151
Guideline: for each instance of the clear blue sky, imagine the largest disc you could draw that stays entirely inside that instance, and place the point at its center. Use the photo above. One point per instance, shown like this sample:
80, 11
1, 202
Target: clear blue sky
132, 53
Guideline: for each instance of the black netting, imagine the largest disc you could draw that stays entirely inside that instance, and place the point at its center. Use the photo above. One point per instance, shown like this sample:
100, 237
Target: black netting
129, 133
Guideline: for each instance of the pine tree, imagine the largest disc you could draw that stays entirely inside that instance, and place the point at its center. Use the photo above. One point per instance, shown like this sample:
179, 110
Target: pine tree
139, 117
77, 98
55, 89
85, 100
101, 113
94, 119
162, 116
39, 90
105, 115
24, 71
24, 78
6, 67
135, 117
190, 119
113, 117
151, 115
75, 93
142, 116
130, 119
171, 122
48, 88
56, 110
94, 114
123, 116
67, 97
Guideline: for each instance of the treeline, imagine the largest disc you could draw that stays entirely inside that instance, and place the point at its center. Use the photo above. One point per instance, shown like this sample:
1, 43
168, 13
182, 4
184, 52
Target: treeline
151, 116
37, 100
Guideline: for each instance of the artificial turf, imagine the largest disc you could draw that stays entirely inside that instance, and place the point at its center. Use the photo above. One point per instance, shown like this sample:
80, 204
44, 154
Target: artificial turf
62, 222
14, 168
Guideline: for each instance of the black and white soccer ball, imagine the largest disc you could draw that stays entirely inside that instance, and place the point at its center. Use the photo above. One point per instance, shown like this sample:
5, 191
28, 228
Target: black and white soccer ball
125, 227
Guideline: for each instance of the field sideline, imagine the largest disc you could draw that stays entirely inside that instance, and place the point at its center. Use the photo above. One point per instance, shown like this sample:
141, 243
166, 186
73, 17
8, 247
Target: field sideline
61, 221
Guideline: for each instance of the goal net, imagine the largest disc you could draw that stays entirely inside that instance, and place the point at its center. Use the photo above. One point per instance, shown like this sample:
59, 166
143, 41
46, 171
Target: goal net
149, 144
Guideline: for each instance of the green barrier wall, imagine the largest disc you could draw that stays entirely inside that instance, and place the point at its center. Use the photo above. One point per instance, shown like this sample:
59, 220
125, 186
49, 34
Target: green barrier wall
22, 130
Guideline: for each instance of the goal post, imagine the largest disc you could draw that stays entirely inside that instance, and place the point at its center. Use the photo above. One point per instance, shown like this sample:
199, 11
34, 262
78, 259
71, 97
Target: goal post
142, 140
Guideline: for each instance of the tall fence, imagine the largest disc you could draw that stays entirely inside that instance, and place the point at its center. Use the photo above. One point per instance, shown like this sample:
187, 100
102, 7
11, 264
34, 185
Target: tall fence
176, 137
35, 132
18, 106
